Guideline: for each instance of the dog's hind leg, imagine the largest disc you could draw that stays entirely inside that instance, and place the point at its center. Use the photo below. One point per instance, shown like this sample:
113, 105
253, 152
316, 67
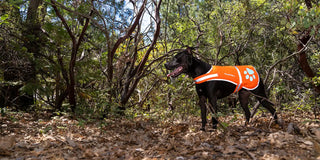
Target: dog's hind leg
213, 109
260, 93
269, 106
244, 101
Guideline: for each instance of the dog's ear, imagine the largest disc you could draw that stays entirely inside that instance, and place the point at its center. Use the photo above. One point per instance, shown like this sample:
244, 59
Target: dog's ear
189, 50
190, 56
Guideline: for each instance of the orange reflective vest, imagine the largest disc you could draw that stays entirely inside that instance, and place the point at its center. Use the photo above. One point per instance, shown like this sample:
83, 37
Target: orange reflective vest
242, 76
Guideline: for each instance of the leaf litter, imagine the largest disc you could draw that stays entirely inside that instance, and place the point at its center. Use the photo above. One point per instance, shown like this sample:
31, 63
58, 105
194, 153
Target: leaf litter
25, 136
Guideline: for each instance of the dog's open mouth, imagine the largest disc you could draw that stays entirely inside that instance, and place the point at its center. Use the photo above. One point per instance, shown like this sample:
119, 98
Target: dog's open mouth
176, 72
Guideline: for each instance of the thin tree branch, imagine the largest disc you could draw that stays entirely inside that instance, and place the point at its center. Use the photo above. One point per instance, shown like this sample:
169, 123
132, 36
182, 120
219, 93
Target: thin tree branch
139, 69
121, 39
155, 38
54, 5
305, 47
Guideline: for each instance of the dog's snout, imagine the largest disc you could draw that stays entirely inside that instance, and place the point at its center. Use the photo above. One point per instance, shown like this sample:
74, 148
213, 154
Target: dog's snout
167, 65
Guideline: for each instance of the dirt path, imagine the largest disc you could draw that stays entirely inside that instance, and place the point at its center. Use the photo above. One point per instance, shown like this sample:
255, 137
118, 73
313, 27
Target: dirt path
25, 136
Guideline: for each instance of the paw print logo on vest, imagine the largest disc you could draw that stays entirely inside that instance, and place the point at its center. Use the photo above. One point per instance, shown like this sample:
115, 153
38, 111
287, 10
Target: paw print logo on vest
249, 74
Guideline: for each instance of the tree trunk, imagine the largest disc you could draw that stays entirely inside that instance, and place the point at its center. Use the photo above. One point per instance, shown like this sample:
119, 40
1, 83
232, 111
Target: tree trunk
302, 57
138, 71
71, 91
75, 47
303, 60
32, 35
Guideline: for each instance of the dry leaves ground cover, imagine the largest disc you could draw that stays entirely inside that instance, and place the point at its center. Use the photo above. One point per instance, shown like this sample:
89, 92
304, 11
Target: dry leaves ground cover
33, 136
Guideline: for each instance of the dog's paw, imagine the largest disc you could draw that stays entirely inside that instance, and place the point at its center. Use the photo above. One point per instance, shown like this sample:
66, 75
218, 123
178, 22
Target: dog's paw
214, 126
249, 74
280, 122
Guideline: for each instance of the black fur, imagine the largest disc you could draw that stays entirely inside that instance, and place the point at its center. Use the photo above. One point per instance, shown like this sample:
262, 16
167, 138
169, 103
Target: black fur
184, 62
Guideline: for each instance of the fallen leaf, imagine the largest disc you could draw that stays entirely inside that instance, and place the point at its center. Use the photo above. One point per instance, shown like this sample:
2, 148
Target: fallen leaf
316, 148
232, 150
308, 143
71, 142
6, 143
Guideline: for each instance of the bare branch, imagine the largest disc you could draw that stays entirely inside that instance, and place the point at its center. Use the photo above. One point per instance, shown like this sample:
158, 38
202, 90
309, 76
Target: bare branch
305, 47
64, 22
121, 39
140, 68
155, 38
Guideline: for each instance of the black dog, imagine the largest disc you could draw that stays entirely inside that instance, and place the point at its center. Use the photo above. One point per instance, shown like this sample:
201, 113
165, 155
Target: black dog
210, 86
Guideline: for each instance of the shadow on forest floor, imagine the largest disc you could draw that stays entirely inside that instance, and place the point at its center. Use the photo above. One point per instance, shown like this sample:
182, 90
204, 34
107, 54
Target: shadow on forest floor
24, 137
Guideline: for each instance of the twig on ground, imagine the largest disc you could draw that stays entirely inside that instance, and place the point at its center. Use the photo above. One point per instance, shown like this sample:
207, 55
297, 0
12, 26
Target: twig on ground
246, 151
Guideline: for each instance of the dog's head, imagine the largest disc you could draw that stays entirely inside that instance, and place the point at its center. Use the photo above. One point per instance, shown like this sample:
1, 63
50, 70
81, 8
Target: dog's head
180, 63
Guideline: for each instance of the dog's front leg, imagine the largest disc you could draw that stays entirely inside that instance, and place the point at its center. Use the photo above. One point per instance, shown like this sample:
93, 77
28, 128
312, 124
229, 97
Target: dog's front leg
213, 108
202, 103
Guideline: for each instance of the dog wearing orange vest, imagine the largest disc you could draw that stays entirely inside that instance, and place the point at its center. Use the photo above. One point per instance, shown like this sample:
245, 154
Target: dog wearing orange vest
216, 82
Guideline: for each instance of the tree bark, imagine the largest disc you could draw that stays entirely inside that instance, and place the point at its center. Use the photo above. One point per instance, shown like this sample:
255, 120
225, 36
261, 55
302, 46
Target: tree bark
302, 57
122, 39
33, 38
75, 47
303, 60
138, 72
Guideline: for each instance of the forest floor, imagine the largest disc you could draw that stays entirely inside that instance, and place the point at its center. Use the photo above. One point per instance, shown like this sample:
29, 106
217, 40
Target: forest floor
33, 136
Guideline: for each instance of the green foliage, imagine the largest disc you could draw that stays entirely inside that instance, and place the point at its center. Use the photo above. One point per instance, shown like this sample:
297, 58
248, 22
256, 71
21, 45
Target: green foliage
316, 58
45, 130
29, 88
248, 32
302, 17
3, 111
256, 32
3, 18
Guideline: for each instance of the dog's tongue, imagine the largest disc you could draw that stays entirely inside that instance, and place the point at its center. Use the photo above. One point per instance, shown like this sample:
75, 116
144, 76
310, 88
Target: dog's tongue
175, 72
